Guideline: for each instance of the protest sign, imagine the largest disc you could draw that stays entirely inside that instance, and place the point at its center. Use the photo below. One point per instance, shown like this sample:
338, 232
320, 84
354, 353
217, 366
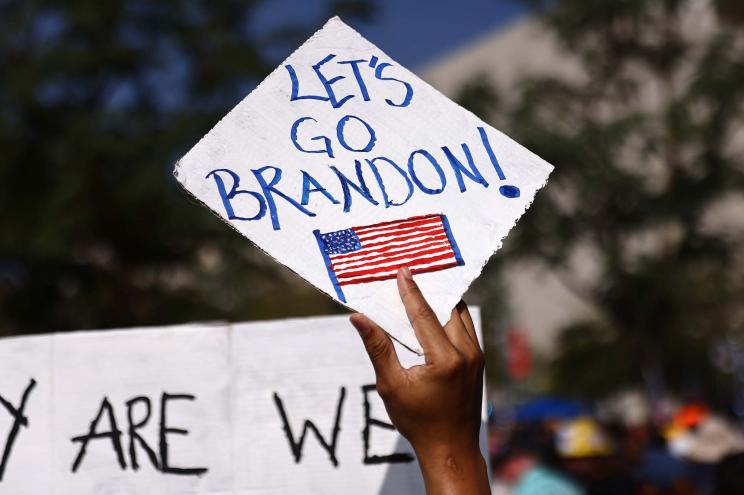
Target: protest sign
344, 166
200, 409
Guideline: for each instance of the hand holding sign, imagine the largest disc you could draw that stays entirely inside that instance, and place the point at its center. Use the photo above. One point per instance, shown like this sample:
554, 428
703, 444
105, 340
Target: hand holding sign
345, 167
436, 405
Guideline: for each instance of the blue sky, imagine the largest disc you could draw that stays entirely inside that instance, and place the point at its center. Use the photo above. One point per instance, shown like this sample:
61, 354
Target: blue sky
413, 32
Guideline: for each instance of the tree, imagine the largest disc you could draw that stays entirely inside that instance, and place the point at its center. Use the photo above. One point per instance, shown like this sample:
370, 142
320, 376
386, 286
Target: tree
97, 101
647, 144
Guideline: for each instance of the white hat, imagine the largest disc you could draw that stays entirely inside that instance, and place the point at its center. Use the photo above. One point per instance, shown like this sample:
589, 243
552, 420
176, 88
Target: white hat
710, 442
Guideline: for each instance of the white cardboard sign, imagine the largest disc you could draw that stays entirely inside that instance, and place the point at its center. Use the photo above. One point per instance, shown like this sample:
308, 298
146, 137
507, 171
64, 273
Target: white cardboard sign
199, 409
344, 166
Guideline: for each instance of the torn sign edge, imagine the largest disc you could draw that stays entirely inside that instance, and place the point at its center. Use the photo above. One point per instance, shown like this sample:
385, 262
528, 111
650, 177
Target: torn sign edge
549, 169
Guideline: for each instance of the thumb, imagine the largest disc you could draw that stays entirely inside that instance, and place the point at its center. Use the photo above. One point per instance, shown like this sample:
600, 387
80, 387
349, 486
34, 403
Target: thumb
379, 347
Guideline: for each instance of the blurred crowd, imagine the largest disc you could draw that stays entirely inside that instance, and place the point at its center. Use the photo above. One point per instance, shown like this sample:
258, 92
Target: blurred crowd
552, 446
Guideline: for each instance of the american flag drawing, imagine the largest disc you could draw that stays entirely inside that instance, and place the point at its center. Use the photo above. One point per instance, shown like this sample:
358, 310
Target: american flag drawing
371, 253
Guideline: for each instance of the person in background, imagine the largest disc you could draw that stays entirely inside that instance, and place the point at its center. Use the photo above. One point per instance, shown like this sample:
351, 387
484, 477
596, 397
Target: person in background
437, 405
500, 426
588, 454
659, 471
704, 445
524, 464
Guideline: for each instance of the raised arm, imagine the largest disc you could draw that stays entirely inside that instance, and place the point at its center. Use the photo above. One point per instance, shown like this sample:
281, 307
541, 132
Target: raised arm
437, 405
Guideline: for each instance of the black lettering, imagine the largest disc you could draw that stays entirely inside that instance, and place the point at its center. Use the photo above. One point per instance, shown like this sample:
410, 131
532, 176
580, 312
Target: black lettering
114, 434
369, 422
136, 437
296, 446
165, 431
18, 420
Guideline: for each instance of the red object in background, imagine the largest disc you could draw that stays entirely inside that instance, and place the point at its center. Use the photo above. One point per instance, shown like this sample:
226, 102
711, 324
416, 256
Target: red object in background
518, 355
691, 415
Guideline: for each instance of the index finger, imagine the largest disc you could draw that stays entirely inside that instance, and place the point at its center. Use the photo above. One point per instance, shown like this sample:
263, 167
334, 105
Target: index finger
423, 319
379, 347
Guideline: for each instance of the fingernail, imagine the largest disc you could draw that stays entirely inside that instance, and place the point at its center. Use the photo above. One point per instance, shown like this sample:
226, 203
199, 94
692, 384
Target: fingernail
407, 273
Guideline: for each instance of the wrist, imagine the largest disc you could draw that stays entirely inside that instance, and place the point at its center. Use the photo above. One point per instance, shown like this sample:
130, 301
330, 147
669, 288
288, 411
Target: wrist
450, 468
433, 451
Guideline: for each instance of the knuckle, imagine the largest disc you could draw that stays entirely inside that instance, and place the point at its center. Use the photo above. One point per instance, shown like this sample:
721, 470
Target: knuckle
377, 348
412, 293
477, 358
454, 365
421, 314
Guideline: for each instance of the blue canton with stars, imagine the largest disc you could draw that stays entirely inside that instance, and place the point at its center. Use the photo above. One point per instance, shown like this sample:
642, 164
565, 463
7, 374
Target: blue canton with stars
341, 242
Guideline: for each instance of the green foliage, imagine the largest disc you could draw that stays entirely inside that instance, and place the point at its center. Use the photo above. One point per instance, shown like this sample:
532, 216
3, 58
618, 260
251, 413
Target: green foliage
587, 346
97, 101
647, 144
480, 97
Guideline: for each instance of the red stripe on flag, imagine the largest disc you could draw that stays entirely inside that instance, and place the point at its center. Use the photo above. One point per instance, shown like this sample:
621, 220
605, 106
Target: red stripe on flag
393, 275
405, 231
424, 236
372, 271
402, 256
391, 252
389, 247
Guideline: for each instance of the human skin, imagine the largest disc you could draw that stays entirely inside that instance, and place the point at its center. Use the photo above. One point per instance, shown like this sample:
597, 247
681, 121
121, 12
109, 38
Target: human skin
436, 405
